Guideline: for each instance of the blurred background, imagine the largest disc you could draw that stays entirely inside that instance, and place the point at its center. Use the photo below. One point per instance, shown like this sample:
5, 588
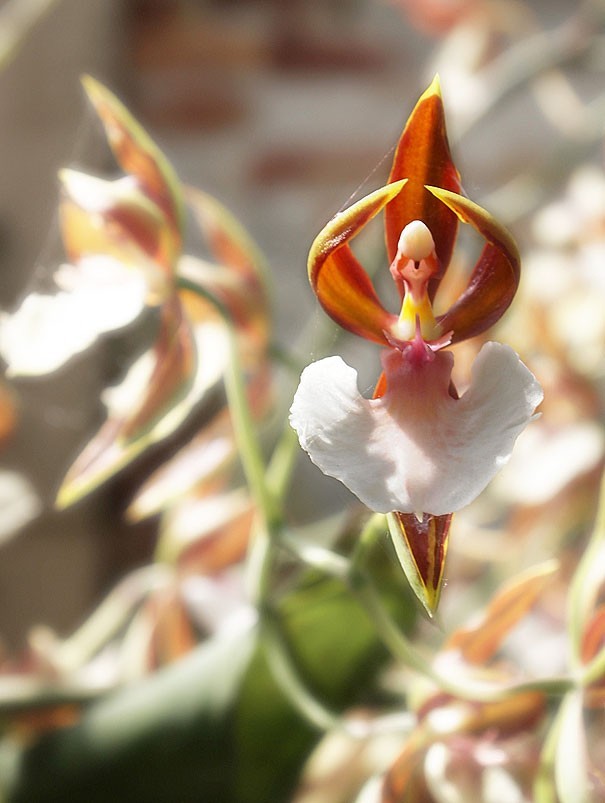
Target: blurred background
284, 110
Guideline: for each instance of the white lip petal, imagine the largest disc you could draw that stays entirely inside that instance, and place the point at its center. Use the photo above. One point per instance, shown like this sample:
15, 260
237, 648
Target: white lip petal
416, 448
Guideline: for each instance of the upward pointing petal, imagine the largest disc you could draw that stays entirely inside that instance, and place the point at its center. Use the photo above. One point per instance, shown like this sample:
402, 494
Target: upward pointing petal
136, 152
415, 448
423, 157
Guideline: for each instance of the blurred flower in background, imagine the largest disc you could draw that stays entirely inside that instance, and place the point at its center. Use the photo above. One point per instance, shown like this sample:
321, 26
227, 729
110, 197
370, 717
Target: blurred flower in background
202, 615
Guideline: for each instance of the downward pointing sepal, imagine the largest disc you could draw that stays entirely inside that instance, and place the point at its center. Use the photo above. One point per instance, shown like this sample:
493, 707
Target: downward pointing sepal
421, 546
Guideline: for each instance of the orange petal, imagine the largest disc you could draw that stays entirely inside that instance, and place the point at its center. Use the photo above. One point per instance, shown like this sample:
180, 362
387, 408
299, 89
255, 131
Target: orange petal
136, 152
478, 643
203, 464
238, 280
423, 157
204, 534
167, 623
115, 218
404, 781
515, 714
124, 436
593, 638
230, 243
8, 413
421, 547
495, 277
175, 360
341, 284
243, 301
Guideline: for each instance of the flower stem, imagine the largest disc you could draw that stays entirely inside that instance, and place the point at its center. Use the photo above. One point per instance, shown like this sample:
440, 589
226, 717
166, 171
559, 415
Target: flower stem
544, 785
250, 451
402, 649
284, 672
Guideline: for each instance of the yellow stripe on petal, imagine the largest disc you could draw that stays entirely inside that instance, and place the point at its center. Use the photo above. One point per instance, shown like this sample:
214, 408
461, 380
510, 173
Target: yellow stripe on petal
495, 277
137, 153
421, 546
341, 284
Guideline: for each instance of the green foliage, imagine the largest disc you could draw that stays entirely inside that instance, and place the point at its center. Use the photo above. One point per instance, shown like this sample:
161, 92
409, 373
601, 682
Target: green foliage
168, 738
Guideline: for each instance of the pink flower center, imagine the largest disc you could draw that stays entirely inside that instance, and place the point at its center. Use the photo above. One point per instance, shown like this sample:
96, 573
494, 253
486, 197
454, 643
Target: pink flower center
414, 265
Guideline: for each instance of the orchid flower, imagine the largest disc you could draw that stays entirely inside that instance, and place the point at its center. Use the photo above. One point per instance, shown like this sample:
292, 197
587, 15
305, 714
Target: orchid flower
416, 451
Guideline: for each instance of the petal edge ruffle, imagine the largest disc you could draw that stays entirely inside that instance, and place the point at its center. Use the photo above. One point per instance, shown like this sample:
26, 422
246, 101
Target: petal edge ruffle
415, 449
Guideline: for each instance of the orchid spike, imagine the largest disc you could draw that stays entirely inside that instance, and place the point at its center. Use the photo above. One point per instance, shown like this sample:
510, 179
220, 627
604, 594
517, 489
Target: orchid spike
416, 450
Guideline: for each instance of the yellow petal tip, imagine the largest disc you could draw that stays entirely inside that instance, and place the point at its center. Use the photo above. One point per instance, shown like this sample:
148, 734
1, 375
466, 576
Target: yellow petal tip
434, 88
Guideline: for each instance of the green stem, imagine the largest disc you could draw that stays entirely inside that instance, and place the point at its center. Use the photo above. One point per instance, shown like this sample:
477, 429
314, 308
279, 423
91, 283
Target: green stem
282, 462
23, 693
284, 672
544, 783
268, 487
466, 688
392, 637
249, 448
530, 58
109, 618
404, 650
375, 527
317, 557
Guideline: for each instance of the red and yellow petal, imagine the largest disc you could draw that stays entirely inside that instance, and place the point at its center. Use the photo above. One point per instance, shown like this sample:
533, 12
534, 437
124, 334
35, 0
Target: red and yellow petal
495, 277
114, 218
423, 158
342, 286
421, 547
137, 154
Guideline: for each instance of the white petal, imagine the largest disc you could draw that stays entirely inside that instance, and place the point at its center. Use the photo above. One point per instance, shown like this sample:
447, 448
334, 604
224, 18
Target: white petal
416, 448
42, 334
111, 295
19, 503
48, 329
546, 461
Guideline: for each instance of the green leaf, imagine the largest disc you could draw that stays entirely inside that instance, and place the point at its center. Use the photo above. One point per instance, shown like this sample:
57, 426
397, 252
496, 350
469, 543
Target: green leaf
325, 628
216, 726
337, 654
167, 739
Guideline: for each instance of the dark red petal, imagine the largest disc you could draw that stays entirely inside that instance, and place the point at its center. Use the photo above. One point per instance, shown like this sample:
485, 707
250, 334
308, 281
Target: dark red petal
495, 277
423, 157
421, 547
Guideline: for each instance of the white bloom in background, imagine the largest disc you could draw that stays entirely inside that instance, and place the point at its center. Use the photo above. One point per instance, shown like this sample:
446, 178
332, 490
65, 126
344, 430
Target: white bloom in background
415, 449
19, 503
96, 296
112, 295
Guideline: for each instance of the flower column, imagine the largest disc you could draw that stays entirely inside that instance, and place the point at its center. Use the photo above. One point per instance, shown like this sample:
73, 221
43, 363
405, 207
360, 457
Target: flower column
416, 451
